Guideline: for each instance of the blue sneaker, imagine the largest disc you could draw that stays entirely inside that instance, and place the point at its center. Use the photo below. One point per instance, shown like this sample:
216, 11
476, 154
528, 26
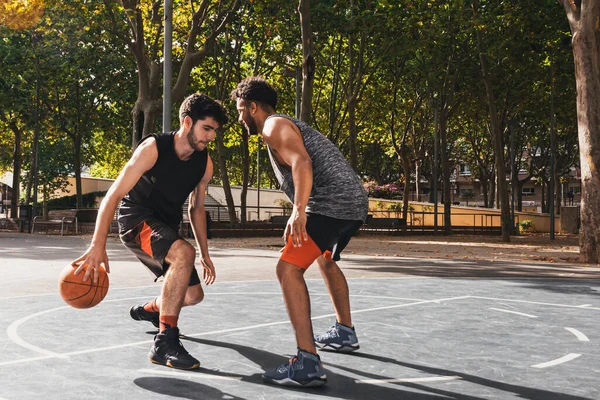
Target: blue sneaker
338, 338
304, 369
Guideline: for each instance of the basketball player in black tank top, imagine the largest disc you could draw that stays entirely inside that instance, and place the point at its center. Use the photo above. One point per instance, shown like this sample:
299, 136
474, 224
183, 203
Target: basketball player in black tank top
152, 188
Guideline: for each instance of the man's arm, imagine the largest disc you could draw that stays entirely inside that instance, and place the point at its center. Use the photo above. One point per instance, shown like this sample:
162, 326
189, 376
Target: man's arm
143, 159
284, 137
197, 214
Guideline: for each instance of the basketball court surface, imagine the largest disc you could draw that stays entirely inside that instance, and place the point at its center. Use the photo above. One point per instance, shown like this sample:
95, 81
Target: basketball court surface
430, 336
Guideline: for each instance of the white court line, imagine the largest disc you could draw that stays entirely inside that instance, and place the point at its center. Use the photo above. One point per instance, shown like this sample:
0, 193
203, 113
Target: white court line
196, 375
99, 349
563, 359
533, 302
158, 285
12, 334
513, 312
375, 297
580, 336
584, 305
56, 293
411, 380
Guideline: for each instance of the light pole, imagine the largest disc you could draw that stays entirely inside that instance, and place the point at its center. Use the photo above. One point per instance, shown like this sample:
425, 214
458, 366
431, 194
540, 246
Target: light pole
167, 66
552, 154
258, 179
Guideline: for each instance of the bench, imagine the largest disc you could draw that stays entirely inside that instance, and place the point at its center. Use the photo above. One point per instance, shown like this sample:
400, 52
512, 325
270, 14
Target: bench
385, 225
64, 218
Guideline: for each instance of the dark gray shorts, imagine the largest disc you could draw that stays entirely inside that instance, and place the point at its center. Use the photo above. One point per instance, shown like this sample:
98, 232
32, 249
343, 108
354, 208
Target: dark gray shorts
150, 241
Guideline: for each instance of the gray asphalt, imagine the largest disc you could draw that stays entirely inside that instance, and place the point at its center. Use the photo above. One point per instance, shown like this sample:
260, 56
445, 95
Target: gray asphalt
434, 337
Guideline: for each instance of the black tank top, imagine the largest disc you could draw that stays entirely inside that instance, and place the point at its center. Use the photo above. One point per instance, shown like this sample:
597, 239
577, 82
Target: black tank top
162, 190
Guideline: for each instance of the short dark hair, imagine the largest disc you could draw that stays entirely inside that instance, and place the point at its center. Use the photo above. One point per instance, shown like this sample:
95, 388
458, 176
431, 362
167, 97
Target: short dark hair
199, 106
255, 88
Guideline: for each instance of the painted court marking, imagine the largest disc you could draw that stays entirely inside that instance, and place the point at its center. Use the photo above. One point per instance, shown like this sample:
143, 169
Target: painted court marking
45, 354
410, 380
12, 334
48, 354
532, 302
563, 359
513, 312
578, 334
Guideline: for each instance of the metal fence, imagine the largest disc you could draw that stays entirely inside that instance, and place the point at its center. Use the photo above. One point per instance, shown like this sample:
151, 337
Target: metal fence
416, 221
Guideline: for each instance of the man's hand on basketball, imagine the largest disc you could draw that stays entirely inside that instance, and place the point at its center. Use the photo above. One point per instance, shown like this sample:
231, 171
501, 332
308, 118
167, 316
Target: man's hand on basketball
296, 226
209, 273
93, 258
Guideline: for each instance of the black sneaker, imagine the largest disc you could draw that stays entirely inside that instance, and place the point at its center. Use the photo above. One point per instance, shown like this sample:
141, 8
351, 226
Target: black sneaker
139, 314
168, 350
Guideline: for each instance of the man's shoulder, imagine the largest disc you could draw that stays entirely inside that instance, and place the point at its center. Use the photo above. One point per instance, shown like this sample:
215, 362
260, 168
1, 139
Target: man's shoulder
275, 122
278, 126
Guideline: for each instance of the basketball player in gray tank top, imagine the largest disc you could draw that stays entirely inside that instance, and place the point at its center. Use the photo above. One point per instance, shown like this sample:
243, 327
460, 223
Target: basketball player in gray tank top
330, 205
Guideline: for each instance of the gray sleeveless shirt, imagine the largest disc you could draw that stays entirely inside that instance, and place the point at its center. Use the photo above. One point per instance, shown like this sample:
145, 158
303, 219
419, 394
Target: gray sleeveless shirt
337, 191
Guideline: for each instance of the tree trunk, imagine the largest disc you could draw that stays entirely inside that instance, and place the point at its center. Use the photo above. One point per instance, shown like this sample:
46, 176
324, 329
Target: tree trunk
520, 195
492, 192
445, 172
77, 140
308, 63
78, 186
485, 189
29, 186
417, 178
497, 135
16, 183
557, 184
353, 132
583, 18
225, 178
144, 115
205, 23
245, 176
138, 126
544, 208
406, 166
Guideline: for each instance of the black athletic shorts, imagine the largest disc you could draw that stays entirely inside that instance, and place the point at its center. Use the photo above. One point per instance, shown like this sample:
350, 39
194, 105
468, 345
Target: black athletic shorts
150, 241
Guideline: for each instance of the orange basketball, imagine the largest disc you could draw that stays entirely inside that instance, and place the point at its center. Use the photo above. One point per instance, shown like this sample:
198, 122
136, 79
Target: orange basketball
79, 294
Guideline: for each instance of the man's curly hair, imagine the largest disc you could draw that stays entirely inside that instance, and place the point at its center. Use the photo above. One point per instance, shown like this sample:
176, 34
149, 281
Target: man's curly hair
257, 89
199, 106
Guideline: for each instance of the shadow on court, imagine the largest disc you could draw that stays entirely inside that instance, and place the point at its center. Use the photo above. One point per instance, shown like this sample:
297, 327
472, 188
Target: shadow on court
182, 388
457, 268
429, 329
339, 386
521, 391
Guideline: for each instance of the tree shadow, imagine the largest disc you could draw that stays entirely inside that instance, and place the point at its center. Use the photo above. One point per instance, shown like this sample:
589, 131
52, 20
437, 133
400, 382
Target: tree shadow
339, 386
521, 391
560, 286
182, 388
457, 268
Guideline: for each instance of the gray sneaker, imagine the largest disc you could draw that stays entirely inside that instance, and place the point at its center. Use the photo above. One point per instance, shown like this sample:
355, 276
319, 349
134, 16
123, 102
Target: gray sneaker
338, 338
304, 369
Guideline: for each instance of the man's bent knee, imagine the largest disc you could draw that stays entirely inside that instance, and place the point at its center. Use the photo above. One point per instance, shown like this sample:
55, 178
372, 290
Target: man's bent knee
194, 295
182, 254
326, 263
